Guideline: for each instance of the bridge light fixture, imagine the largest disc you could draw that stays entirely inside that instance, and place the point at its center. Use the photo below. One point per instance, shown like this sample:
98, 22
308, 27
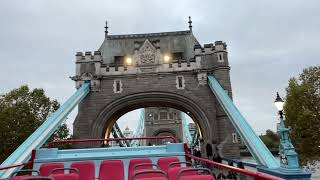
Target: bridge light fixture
288, 156
166, 58
279, 103
128, 60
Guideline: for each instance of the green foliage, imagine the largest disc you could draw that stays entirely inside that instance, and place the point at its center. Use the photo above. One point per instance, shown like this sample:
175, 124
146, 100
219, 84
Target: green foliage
302, 111
270, 139
21, 112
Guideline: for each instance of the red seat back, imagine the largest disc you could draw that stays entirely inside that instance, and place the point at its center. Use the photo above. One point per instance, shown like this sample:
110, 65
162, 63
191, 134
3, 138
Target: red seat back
134, 162
20, 177
165, 161
111, 169
197, 177
46, 168
86, 170
153, 178
70, 176
173, 172
31, 178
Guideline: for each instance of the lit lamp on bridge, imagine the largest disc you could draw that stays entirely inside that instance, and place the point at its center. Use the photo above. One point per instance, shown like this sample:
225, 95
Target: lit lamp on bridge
128, 61
288, 157
166, 58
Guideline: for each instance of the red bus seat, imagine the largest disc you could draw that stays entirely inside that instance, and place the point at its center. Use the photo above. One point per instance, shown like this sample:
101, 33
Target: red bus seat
15, 176
174, 168
165, 161
34, 178
71, 176
46, 168
174, 172
197, 177
86, 169
111, 169
154, 174
184, 174
134, 162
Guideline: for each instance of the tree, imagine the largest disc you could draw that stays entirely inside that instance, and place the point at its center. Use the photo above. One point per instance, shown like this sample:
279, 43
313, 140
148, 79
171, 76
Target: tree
302, 112
270, 139
21, 112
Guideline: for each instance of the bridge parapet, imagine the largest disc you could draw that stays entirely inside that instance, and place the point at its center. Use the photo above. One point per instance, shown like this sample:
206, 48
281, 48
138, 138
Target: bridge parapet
205, 58
149, 60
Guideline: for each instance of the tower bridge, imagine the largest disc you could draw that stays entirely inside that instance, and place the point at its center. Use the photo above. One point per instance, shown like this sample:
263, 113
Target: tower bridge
167, 69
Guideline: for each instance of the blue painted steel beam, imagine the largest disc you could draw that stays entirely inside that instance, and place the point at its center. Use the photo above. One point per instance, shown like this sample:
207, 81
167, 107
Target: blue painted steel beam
42, 134
185, 128
256, 147
140, 129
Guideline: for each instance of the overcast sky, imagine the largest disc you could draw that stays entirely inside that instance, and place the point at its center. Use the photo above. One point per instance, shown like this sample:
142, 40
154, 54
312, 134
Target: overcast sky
268, 42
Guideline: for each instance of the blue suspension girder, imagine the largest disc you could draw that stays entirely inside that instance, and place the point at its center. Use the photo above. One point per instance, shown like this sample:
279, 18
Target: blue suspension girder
140, 129
185, 128
256, 147
42, 134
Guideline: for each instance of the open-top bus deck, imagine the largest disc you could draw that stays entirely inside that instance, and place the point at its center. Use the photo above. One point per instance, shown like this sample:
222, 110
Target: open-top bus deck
170, 161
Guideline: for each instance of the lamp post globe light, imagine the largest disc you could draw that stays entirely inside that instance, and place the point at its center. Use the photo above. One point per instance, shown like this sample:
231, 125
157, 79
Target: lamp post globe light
288, 156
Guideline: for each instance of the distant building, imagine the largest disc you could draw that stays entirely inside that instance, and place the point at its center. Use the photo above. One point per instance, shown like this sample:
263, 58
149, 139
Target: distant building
163, 121
127, 133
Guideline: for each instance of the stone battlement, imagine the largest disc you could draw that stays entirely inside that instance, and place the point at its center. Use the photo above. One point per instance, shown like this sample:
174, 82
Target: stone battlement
210, 48
88, 56
107, 70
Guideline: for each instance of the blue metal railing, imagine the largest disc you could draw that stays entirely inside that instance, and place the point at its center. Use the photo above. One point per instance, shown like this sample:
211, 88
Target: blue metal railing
256, 147
42, 134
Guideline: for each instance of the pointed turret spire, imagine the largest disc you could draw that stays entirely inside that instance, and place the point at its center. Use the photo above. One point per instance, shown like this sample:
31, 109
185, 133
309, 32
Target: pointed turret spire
190, 23
106, 28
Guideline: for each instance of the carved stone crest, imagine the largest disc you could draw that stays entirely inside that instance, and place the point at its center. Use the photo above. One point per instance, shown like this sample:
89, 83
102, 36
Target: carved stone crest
147, 53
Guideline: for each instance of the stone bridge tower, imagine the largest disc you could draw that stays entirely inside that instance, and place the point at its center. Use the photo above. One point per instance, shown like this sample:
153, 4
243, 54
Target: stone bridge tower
163, 121
167, 69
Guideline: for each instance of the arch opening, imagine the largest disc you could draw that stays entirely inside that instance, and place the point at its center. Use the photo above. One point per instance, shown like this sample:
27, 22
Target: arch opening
114, 110
156, 121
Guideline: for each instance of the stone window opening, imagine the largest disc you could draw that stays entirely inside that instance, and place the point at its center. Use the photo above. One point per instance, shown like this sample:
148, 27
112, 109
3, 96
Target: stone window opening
220, 57
118, 60
180, 82
117, 86
234, 138
155, 116
163, 115
177, 56
170, 116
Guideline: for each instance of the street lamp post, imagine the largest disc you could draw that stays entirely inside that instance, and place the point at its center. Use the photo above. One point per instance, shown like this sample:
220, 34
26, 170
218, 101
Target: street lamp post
288, 157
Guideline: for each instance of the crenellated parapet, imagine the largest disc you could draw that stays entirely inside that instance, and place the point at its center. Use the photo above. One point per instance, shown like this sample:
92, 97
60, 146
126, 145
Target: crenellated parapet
212, 55
147, 58
88, 68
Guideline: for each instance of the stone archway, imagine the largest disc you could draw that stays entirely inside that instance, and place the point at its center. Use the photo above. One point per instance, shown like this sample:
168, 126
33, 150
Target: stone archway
111, 112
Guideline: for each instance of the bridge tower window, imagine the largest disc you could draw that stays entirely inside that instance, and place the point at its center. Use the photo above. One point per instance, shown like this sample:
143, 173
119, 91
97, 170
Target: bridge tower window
234, 138
220, 57
117, 86
180, 82
163, 115
118, 60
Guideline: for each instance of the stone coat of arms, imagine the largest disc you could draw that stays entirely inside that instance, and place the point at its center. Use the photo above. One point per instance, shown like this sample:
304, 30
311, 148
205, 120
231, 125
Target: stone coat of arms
147, 53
